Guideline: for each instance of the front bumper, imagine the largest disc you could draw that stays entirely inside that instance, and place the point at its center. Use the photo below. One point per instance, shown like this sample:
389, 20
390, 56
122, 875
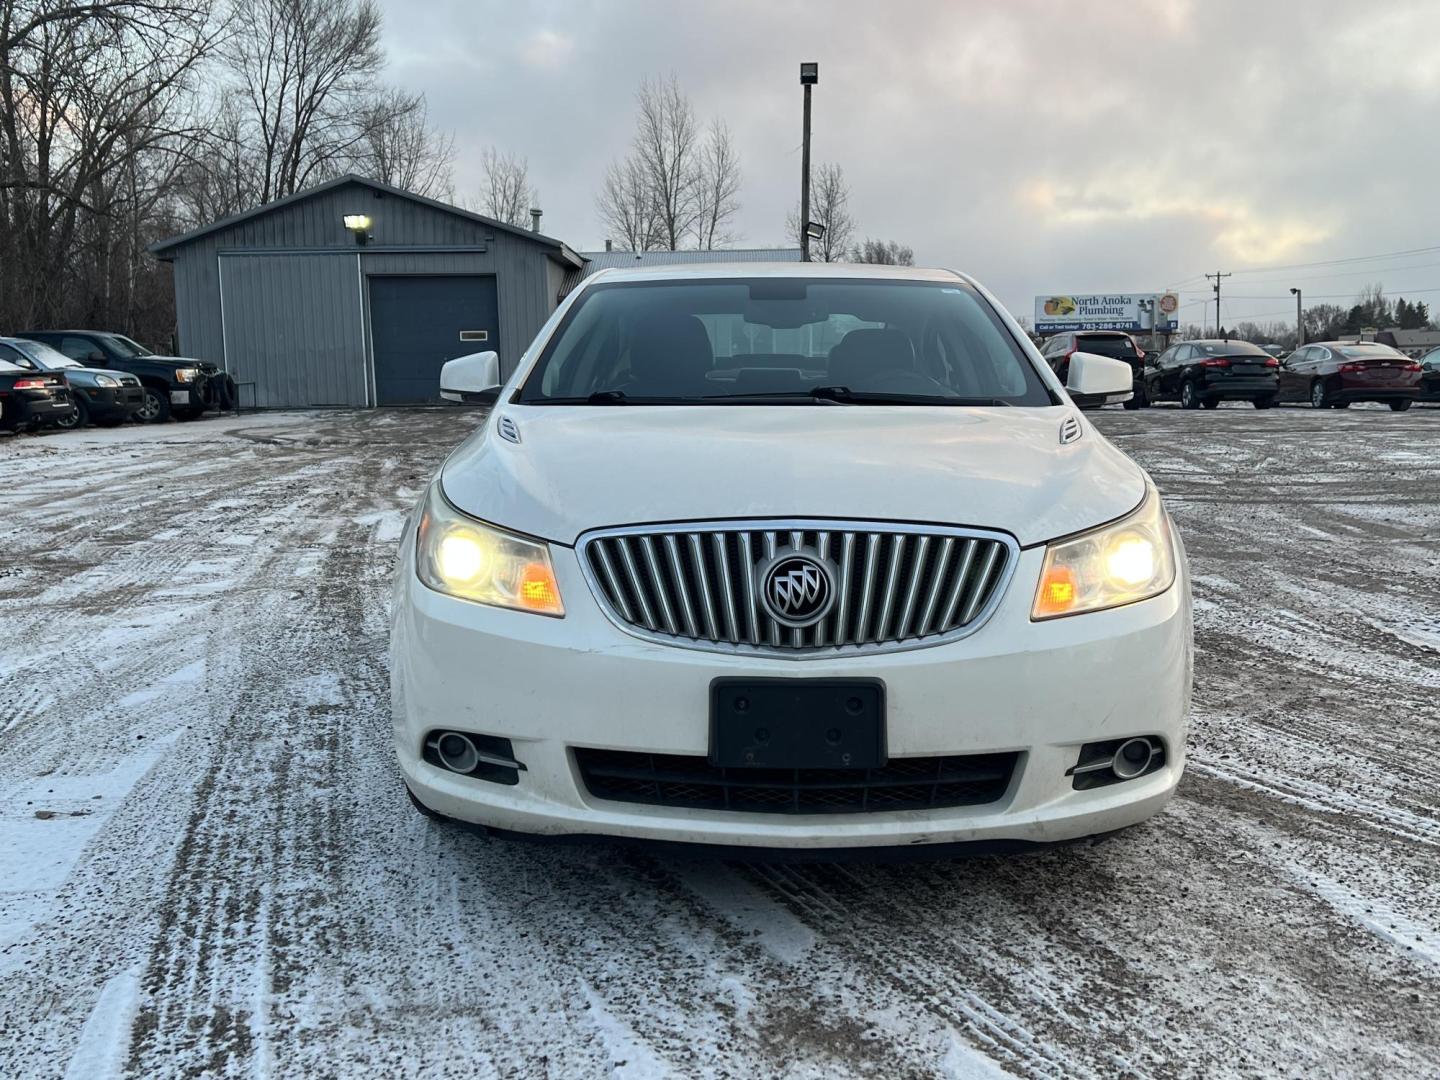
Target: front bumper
553, 685
112, 403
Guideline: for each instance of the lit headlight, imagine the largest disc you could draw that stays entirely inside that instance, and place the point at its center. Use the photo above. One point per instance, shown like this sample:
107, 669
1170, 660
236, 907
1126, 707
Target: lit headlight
187, 374
1129, 560
462, 557
107, 381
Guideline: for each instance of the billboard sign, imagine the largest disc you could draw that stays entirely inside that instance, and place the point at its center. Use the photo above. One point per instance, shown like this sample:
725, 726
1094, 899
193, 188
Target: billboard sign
1106, 311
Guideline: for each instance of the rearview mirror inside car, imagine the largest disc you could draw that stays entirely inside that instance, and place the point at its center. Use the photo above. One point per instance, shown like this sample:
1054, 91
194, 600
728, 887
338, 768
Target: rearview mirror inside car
473, 379
1098, 380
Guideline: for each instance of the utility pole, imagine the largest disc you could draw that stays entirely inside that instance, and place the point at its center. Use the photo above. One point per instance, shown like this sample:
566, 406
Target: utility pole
809, 76
1299, 320
1217, 275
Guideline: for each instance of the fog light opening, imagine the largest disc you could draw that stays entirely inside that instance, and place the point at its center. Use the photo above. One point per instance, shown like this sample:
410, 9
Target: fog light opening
1132, 759
456, 752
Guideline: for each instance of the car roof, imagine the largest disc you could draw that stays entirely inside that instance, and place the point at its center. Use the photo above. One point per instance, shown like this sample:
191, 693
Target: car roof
27, 333
803, 271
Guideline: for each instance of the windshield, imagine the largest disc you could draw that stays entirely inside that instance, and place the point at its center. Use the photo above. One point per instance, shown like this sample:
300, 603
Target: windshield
783, 341
44, 355
125, 347
1115, 346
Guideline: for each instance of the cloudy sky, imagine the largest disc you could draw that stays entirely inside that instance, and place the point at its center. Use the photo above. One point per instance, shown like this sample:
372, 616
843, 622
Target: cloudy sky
1045, 146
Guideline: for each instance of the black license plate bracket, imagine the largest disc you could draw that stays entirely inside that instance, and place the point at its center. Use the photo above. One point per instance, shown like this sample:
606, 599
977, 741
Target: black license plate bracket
797, 723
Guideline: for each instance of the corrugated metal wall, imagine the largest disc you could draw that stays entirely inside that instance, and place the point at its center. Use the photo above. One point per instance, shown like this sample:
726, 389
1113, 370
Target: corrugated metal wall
293, 328
295, 312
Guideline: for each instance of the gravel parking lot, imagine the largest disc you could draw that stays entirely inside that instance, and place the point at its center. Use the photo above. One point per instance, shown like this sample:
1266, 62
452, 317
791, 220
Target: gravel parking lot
208, 866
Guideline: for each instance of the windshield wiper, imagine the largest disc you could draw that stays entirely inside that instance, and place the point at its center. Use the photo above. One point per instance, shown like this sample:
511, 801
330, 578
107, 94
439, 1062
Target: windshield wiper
845, 396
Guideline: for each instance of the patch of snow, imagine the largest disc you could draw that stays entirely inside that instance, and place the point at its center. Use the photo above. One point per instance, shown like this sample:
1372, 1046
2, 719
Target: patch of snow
104, 1041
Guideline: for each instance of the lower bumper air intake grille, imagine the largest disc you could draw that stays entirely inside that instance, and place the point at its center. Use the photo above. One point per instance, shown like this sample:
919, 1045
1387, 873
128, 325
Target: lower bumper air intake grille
921, 783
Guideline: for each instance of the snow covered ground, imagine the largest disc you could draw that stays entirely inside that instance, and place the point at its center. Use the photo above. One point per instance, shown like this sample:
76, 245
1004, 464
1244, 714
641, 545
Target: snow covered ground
208, 867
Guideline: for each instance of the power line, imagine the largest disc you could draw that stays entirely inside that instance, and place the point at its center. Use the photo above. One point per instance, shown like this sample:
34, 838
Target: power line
1337, 262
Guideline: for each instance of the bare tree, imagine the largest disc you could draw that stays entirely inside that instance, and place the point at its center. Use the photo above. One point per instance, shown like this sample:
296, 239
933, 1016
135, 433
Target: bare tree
717, 188
507, 195
94, 113
626, 206
830, 207
666, 150
305, 70
883, 252
400, 147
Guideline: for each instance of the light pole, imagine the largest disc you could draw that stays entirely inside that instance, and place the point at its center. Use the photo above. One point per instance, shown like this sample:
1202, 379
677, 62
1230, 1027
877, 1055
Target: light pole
809, 76
1299, 320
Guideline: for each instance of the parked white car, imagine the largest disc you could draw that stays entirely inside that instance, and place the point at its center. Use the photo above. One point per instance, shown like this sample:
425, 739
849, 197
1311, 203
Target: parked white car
801, 556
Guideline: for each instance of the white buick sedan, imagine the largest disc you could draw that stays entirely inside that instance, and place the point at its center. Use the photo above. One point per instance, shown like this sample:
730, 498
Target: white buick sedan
797, 556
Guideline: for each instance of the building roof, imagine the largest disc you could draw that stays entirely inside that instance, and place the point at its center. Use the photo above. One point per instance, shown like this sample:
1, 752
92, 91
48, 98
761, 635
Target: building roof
165, 249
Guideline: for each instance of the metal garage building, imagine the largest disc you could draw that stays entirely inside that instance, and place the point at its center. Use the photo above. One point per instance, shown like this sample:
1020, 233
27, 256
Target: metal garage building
286, 297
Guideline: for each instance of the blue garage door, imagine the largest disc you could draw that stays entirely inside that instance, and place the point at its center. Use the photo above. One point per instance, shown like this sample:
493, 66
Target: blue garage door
417, 323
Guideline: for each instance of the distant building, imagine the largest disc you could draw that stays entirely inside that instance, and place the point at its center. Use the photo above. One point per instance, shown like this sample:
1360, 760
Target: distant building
1414, 343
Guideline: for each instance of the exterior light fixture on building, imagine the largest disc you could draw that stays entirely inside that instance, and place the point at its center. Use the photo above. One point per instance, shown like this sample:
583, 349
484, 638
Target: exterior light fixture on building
359, 224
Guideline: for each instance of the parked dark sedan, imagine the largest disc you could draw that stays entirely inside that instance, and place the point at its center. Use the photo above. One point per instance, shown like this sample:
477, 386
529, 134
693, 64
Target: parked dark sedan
1332, 374
1430, 376
31, 400
172, 385
1197, 373
105, 398
1115, 344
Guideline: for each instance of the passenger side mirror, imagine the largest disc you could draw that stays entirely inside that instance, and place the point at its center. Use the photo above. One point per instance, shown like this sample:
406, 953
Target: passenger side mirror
473, 379
1098, 380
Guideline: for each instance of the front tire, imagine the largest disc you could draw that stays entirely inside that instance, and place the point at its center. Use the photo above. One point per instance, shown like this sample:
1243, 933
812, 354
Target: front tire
1401, 405
1264, 402
1189, 395
155, 408
1318, 398
76, 418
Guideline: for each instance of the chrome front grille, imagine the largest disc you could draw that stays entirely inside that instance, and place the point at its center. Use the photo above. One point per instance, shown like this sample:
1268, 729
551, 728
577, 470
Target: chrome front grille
894, 586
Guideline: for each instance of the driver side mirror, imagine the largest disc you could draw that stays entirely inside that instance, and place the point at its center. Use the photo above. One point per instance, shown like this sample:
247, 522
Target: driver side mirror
473, 379
1098, 380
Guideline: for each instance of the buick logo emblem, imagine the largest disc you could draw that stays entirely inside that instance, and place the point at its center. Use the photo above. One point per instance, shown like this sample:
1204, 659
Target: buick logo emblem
796, 589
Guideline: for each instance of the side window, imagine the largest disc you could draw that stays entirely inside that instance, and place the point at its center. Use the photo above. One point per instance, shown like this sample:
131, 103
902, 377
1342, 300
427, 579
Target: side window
1320, 353
77, 348
15, 356
1183, 353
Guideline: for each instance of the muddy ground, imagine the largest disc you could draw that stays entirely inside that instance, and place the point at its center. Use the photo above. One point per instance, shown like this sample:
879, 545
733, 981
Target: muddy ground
208, 866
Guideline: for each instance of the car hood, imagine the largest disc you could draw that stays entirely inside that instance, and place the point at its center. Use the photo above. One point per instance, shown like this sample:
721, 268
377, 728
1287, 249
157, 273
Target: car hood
586, 467
175, 361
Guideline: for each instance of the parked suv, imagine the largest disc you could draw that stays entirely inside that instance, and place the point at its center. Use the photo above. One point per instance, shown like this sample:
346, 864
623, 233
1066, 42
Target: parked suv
1197, 373
1115, 344
892, 591
1332, 374
173, 385
105, 398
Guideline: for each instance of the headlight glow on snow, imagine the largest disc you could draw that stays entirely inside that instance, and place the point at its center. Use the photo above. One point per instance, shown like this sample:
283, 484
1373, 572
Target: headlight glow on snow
1128, 560
465, 558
